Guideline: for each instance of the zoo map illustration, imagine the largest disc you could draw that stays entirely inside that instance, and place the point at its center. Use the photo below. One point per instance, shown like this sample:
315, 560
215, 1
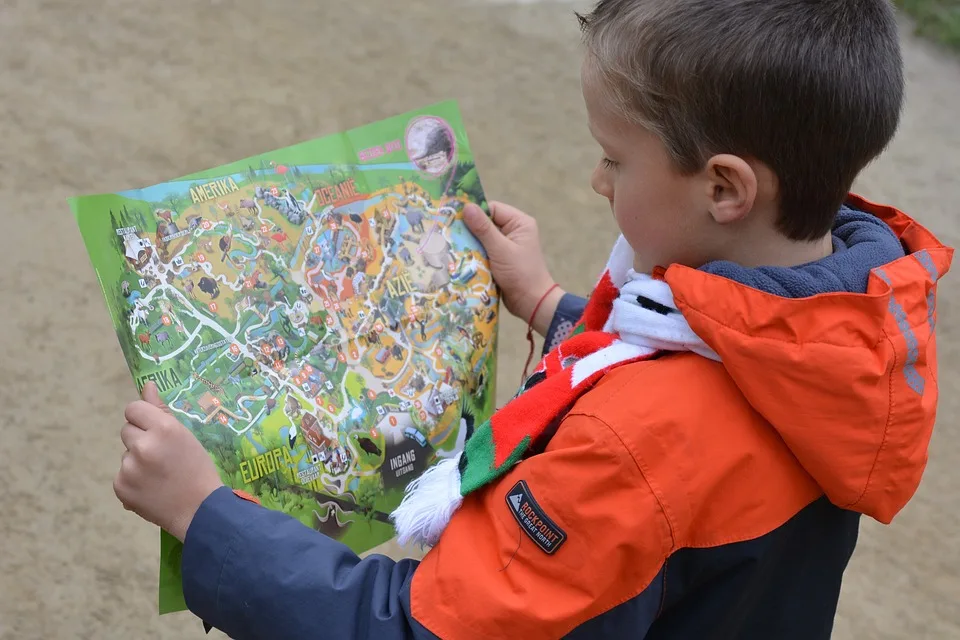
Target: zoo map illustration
319, 316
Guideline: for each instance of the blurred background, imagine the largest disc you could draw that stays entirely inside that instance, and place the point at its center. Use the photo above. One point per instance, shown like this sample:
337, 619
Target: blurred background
107, 95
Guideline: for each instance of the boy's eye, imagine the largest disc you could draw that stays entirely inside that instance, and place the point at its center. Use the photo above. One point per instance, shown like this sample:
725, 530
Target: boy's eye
608, 163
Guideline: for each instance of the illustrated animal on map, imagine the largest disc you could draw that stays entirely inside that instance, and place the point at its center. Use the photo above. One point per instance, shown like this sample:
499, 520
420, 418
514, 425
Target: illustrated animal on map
188, 287
280, 238
225, 243
292, 436
193, 222
246, 223
226, 208
285, 203
125, 288
369, 446
207, 245
479, 342
405, 255
415, 219
144, 338
209, 286
271, 405
138, 314
163, 337
250, 206
166, 214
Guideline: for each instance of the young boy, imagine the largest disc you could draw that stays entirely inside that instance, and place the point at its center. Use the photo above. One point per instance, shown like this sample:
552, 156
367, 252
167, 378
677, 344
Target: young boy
755, 370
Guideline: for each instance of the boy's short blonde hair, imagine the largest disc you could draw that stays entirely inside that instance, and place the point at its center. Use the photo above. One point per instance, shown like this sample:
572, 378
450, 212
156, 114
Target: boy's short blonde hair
811, 88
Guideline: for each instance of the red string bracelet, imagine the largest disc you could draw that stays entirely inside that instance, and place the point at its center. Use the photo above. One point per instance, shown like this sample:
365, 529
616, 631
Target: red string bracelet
533, 315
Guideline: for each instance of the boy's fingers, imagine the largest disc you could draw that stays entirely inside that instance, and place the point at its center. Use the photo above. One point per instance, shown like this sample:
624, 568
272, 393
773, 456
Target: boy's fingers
129, 434
482, 226
144, 415
152, 395
505, 215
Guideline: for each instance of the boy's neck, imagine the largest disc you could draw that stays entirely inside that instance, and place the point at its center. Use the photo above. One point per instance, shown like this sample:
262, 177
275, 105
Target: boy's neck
772, 249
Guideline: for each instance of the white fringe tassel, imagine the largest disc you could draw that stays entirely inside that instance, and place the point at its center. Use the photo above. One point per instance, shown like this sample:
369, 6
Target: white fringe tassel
429, 503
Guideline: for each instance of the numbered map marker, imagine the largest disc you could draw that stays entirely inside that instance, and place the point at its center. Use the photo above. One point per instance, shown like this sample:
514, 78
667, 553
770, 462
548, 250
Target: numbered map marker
206, 225
222, 418
235, 349
213, 307
165, 320
393, 421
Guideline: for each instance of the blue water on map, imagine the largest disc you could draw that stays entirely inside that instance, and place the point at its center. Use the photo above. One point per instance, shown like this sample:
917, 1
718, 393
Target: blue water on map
236, 253
462, 238
256, 445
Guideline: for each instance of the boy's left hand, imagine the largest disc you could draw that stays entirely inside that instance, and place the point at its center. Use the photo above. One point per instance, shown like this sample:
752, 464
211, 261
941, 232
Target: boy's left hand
165, 473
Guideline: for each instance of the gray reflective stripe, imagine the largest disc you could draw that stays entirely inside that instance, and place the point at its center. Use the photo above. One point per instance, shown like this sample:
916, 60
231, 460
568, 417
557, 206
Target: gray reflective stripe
924, 258
914, 379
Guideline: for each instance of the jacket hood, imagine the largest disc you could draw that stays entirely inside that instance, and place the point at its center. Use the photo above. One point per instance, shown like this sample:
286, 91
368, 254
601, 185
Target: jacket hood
848, 380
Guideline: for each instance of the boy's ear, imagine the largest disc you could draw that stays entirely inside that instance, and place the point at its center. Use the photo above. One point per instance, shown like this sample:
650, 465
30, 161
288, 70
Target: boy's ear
732, 185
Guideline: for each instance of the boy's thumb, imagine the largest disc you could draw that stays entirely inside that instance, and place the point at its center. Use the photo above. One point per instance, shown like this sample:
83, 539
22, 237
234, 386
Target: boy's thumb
151, 395
481, 226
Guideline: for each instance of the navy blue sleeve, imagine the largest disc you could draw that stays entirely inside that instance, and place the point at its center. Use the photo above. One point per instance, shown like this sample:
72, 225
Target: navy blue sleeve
564, 318
256, 573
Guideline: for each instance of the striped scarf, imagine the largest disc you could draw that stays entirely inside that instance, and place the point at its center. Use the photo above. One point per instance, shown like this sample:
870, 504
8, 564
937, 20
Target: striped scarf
630, 317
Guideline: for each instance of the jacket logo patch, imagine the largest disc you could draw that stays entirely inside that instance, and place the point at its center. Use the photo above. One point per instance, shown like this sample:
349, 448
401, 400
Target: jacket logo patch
532, 519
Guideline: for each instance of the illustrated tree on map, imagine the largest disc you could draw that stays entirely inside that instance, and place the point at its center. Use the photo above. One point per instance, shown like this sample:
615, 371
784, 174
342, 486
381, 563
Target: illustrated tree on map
174, 202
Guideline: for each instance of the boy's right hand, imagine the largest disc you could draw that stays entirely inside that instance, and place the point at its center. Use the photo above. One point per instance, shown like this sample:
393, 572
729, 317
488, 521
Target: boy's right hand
512, 242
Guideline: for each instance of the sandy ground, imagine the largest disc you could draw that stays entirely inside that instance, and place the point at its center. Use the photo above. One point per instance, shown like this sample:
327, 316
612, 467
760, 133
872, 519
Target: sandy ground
108, 95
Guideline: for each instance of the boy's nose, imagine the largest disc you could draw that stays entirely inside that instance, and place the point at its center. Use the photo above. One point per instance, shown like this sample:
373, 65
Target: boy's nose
600, 182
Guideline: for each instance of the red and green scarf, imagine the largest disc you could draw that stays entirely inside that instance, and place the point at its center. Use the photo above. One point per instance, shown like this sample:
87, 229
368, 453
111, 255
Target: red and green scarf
629, 317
